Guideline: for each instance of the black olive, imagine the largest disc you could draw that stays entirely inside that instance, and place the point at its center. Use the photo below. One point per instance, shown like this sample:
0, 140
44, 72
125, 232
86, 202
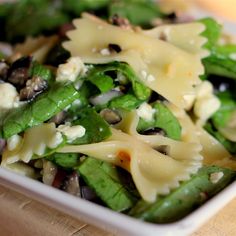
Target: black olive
114, 47
33, 87
153, 131
110, 116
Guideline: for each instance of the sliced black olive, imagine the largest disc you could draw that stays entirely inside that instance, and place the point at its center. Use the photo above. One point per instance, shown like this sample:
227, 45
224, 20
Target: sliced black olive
110, 116
18, 73
114, 47
120, 21
33, 87
71, 185
153, 131
87, 193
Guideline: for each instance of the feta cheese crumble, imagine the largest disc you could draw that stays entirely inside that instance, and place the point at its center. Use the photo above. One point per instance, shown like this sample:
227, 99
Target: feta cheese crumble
8, 96
105, 52
215, 177
145, 111
72, 132
204, 102
71, 70
13, 142
55, 141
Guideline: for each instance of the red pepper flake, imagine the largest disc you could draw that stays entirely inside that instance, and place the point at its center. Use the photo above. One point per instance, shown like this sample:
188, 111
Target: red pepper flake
124, 158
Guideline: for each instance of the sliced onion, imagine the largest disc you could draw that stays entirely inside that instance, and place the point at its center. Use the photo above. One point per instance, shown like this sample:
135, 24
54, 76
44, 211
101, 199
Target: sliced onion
105, 97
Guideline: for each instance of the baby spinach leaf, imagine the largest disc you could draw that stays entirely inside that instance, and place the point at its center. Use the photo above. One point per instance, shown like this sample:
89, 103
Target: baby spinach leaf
39, 110
96, 127
104, 179
163, 119
212, 31
138, 12
181, 201
127, 102
64, 160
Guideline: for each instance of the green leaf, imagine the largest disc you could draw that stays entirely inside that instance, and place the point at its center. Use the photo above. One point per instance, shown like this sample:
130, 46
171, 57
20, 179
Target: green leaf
39, 110
102, 82
127, 102
228, 106
104, 179
139, 89
41, 71
78, 6
217, 64
138, 12
164, 119
31, 17
190, 195
64, 160
96, 127
212, 31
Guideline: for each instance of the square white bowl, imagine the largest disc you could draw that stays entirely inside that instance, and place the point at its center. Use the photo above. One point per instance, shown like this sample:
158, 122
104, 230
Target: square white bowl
109, 220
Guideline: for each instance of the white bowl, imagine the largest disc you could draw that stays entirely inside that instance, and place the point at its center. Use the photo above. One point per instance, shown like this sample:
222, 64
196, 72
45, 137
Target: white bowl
107, 219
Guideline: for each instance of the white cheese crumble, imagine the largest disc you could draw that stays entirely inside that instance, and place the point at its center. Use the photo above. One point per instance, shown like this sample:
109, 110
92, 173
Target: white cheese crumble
150, 78
13, 142
206, 107
215, 177
146, 76
8, 96
204, 100
71, 69
72, 132
105, 52
145, 111
55, 141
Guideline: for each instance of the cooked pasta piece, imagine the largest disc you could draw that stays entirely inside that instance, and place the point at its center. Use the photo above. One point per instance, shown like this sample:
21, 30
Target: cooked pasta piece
164, 67
153, 172
213, 151
35, 141
36, 47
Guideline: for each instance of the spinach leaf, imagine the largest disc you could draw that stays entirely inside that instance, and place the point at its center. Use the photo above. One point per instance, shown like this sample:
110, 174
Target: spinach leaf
139, 89
104, 179
228, 106
64, 160
139, 12
164, 119
212, 31
78, 6
96, 127
219, 64
127, 102
181, 201
39, 110
38, 70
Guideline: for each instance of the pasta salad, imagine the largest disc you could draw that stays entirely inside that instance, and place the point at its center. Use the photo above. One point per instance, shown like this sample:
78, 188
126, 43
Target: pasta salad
127, 106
